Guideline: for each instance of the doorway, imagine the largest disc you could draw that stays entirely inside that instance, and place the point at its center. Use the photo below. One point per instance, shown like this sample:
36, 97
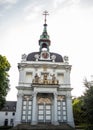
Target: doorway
44, 108
44, 113
6, 122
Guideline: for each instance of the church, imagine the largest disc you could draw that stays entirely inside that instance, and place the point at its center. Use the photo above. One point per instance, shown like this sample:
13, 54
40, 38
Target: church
44, 88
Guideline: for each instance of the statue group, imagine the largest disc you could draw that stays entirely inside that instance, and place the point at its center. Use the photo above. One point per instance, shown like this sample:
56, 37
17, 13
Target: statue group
45, 79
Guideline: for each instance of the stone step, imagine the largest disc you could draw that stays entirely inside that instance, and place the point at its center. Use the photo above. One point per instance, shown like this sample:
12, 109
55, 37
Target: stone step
43, 127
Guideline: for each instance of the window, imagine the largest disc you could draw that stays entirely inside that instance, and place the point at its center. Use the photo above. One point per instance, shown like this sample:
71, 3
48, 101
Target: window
61, 107
61, 78
27, 108
13, 113
11, 122
28, 77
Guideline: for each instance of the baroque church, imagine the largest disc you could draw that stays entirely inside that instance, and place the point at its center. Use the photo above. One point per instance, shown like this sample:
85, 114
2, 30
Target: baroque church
44, 89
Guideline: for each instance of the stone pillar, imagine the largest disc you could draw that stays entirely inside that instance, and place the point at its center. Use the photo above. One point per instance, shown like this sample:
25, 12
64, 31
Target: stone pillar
34, 110
55, 119
18, 109
70, 119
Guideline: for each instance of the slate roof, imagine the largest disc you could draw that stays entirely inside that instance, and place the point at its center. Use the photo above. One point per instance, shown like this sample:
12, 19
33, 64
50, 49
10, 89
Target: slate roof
31, 56
9, 106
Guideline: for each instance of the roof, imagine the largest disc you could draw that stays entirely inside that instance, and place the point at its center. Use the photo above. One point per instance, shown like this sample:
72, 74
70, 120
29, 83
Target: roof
31, 56
9, 106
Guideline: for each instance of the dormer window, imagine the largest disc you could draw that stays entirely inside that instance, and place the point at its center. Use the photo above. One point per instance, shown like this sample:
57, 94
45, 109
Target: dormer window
7, 107
14, 107
6, 113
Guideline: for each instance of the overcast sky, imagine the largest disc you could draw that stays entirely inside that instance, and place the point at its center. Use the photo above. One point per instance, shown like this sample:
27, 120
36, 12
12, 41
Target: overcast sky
70, 26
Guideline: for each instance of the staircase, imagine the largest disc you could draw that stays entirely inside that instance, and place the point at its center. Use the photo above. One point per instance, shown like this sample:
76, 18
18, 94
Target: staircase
43, 127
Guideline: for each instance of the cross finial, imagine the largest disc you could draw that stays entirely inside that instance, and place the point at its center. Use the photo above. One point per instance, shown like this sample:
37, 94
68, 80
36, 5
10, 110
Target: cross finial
45, 13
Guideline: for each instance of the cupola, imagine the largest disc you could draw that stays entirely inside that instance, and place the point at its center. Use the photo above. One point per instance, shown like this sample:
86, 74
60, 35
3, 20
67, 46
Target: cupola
44, 41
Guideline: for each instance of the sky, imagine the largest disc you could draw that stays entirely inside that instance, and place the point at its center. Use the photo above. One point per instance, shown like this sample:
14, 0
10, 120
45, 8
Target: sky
70, 27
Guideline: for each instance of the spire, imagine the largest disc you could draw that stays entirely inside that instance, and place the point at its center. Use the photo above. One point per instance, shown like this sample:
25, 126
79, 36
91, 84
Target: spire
44, 41
45, 13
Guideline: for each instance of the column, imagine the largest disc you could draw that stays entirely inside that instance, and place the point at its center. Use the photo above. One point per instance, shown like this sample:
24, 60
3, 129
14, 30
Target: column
34, 110
55, 120
70, 119
18, 109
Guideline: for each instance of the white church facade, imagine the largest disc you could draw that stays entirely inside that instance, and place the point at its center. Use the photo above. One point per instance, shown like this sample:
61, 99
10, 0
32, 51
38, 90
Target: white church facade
44, 88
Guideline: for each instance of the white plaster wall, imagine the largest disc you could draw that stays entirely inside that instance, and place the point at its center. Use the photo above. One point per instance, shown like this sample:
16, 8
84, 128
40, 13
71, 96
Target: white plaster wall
3, 117
40, 69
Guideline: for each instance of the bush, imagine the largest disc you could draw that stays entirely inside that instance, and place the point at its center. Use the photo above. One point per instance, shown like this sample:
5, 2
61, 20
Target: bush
89, 127
5, 127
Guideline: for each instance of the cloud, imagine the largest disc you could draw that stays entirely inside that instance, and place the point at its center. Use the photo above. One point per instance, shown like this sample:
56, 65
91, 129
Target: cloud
6, 5
62, 3
86, 3
8, 1
35, 8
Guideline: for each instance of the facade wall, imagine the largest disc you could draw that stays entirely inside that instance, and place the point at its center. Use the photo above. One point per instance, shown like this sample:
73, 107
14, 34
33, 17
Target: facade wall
61, 107
9, 116
26, 75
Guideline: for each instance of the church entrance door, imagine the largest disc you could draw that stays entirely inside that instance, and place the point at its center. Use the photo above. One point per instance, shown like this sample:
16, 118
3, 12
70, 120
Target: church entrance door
44, 108
44, 113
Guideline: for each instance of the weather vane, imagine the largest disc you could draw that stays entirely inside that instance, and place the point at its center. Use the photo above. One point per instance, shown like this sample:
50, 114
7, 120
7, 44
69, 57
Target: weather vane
45, 13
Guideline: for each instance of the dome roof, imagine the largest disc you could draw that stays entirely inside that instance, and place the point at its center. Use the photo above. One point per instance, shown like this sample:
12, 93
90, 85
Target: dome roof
31, 57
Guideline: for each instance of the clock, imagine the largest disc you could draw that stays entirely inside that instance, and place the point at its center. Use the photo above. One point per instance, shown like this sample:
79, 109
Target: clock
45, 55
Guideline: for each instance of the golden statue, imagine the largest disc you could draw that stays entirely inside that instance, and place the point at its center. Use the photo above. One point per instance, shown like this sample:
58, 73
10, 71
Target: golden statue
45, 81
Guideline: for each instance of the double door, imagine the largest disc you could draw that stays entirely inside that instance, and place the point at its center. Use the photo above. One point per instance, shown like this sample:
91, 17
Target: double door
44, 113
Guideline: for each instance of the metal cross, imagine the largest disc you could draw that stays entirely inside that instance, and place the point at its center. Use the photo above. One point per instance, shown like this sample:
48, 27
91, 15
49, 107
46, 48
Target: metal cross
45, 13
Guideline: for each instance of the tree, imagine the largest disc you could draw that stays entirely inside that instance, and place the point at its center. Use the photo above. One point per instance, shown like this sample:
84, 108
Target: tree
78, 110
4, 79
88, 101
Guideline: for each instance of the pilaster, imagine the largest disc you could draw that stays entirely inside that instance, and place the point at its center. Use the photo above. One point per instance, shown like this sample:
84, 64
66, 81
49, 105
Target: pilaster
55, 119
34, 109
18, 109
67, 75
70, 119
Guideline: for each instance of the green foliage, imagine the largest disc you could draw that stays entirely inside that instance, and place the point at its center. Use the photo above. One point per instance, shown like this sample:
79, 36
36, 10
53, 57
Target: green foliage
4, 79
83, 107
78, 110
88, 103
89, 127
